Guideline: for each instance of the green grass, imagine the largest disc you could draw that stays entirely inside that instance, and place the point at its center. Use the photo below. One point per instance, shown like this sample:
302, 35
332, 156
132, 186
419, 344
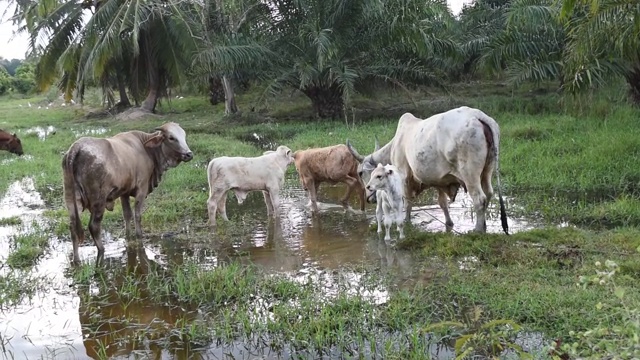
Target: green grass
27, 249
10, 221
563, 159
531, 277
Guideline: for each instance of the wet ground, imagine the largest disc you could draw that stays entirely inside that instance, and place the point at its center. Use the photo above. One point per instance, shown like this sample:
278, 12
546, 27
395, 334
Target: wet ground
57, 324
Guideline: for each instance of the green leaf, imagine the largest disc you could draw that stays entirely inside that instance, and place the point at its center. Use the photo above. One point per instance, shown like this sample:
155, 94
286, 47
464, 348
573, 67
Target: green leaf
619, 293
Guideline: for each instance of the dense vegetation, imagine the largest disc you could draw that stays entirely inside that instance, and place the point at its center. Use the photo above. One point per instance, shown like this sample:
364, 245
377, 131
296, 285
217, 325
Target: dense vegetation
328, 50
16, 76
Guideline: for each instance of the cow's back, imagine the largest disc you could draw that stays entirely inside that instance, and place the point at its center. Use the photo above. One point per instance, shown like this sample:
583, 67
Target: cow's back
243, 173
429, 149
330, 163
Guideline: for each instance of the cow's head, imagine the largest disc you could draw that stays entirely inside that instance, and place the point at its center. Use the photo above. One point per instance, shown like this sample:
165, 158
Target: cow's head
173, 140
366, 166
379, 179
11, 143
283, 152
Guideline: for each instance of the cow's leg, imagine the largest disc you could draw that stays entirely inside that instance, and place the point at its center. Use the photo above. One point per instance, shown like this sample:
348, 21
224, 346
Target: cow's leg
479, 205
267, 200
443, 201
215, 197
400, 225
97, 211
361, 194
352, 184
222, 207
379, 214
77, 233
312, 188
407, 208
241, 196
127, 214
137, 216
388, 221
485, 182
274, 194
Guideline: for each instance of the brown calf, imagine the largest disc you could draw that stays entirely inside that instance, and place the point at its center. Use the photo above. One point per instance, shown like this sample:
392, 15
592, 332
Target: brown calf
332, 164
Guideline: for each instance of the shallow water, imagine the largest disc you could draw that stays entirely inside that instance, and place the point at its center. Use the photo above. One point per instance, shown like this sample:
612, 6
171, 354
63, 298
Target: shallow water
41, 132
327, 248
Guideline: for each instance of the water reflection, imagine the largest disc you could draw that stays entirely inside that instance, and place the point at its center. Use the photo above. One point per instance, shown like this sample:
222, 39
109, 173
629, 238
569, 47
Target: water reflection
117, 326
333, 249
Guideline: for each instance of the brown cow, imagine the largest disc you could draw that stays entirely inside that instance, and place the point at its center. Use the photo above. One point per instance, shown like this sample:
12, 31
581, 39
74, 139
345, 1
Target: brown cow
99, 171
11, 143
332, 164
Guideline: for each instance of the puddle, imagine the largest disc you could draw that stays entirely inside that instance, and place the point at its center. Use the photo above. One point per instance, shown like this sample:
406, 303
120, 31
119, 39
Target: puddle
42, 132
330, 249
21, 201
89, 132
263, 142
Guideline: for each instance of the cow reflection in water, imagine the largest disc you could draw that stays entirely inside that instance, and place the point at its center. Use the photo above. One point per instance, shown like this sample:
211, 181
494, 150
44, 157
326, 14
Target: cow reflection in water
116, 325
328, 241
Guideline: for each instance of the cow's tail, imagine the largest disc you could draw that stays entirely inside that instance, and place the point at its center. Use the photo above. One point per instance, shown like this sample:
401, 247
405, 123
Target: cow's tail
494, 152
70, 190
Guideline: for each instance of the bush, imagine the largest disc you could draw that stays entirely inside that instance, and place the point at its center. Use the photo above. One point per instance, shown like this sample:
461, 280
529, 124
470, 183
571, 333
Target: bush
5, 81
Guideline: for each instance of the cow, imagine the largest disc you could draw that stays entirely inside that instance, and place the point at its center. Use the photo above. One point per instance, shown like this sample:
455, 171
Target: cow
332, 164
460, 147
388, 184
245, 174
97, 171
10, 143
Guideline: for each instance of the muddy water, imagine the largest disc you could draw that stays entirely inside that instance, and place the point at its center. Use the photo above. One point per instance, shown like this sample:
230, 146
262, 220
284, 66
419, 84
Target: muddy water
61, 322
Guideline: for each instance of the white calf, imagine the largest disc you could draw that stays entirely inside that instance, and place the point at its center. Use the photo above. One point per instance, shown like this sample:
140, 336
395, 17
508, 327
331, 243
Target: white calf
388, 184
242, 175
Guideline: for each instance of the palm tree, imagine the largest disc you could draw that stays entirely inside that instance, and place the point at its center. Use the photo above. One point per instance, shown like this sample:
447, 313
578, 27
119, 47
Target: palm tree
147, 45
328, 49
604, 40
230, 43
522, 38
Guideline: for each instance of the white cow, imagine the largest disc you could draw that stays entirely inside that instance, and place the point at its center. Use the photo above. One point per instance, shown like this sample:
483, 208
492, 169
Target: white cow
460, 147
245, 174
388, 184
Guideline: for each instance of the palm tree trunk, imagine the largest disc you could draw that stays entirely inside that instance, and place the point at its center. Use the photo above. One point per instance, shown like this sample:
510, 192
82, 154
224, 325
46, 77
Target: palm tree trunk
149, 103
122, 90
230, 106
216, 90
633, 79
327, 101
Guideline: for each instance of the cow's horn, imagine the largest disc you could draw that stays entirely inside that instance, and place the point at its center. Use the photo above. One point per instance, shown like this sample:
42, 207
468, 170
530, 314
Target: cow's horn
354, 152
377, 143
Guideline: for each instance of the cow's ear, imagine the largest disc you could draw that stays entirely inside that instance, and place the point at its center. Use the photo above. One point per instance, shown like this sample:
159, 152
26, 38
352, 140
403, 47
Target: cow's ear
14, 135
155, 140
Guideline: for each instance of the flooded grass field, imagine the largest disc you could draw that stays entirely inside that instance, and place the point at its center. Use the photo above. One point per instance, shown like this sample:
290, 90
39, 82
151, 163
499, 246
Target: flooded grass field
307, 286
115, 311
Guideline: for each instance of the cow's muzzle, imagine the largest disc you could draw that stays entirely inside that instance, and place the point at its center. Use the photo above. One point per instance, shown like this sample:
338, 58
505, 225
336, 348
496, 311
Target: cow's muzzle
186, 157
